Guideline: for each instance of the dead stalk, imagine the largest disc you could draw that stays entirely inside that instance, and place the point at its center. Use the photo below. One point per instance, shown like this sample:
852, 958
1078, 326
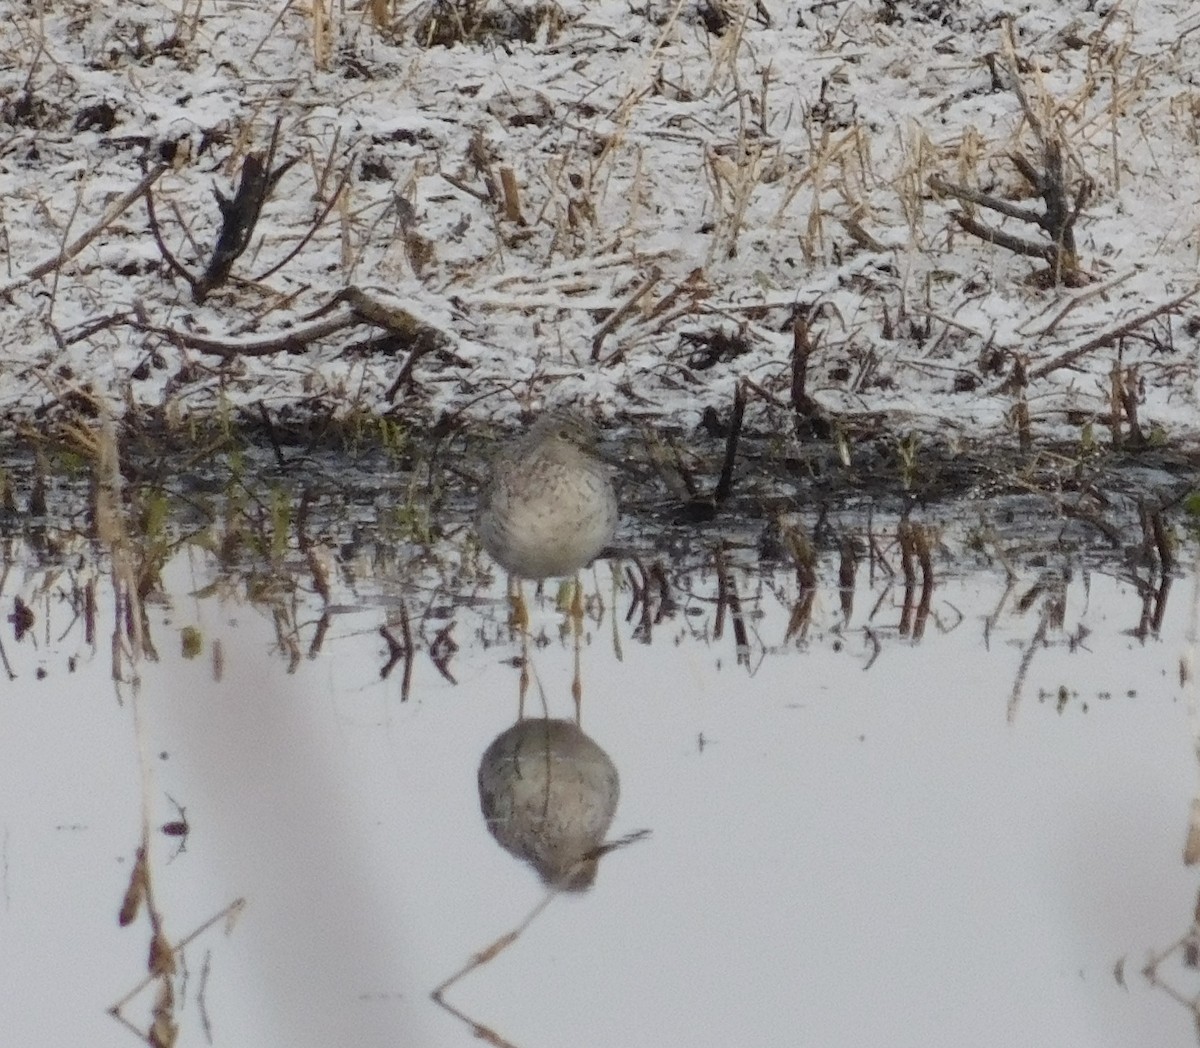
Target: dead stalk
118, 208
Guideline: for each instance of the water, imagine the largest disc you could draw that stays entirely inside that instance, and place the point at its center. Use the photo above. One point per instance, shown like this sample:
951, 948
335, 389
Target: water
878, 829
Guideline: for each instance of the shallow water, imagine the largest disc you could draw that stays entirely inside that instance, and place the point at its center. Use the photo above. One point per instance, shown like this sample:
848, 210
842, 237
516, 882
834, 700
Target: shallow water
875, 830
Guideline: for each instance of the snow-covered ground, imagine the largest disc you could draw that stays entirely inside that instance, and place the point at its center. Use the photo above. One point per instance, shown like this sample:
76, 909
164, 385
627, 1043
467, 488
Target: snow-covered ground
507, 197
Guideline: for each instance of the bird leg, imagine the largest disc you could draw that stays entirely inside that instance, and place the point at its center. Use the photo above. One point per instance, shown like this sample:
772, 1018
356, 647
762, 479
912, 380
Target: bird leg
518, 613
577, 603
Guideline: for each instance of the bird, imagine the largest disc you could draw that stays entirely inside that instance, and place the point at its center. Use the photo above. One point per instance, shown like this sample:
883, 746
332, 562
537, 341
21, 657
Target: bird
548, 794
549, 507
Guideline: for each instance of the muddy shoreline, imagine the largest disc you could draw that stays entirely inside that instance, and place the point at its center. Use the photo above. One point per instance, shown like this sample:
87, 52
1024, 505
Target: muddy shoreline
420, 487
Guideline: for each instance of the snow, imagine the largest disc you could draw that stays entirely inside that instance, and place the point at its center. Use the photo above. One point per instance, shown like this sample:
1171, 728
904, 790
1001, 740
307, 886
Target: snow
735, 177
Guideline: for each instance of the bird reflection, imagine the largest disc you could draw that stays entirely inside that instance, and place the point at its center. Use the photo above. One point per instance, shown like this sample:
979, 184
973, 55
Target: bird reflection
548, 794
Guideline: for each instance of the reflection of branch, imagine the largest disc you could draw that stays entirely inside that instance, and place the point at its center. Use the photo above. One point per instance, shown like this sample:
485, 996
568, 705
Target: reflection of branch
640, 597
1035, 642
498, 946
876, 646
442, 650
229, 914
800, 617
399, 651
802, 551
286, 632
4, 661
318, 641
1187, 946
847, 570
1154, 608
914, 544
1163, 542
727, 597
989, 623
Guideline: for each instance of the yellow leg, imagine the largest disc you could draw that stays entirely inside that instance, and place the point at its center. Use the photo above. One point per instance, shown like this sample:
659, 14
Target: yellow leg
518, 622
577, 630
523, 684
577, 685
577, 604
518, 613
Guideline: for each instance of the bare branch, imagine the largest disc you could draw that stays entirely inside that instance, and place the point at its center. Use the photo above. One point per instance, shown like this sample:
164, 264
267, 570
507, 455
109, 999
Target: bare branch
173, 264
974, 196
1109, 337
1006, 240
118, 208
290, 340
623, 310
240, 215
333, 199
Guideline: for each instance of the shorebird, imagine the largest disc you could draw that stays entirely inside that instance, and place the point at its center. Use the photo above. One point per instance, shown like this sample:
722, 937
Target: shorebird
549, 507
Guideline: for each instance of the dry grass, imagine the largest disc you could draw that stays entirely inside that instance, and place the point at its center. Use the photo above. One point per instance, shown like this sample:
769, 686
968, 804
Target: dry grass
780, 189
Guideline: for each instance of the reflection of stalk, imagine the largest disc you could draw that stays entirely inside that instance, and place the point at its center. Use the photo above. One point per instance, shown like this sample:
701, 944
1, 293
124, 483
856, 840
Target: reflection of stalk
847, 570
498, 946
1187, 680
129, 645
727, 597
1187, 946
1035, 642
914, 545
134, 568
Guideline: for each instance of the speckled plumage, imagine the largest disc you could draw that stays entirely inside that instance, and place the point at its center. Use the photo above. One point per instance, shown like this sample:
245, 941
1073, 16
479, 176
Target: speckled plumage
549, 507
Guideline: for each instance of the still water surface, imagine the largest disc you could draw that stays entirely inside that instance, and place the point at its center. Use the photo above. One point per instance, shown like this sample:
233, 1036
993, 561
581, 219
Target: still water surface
856, 836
